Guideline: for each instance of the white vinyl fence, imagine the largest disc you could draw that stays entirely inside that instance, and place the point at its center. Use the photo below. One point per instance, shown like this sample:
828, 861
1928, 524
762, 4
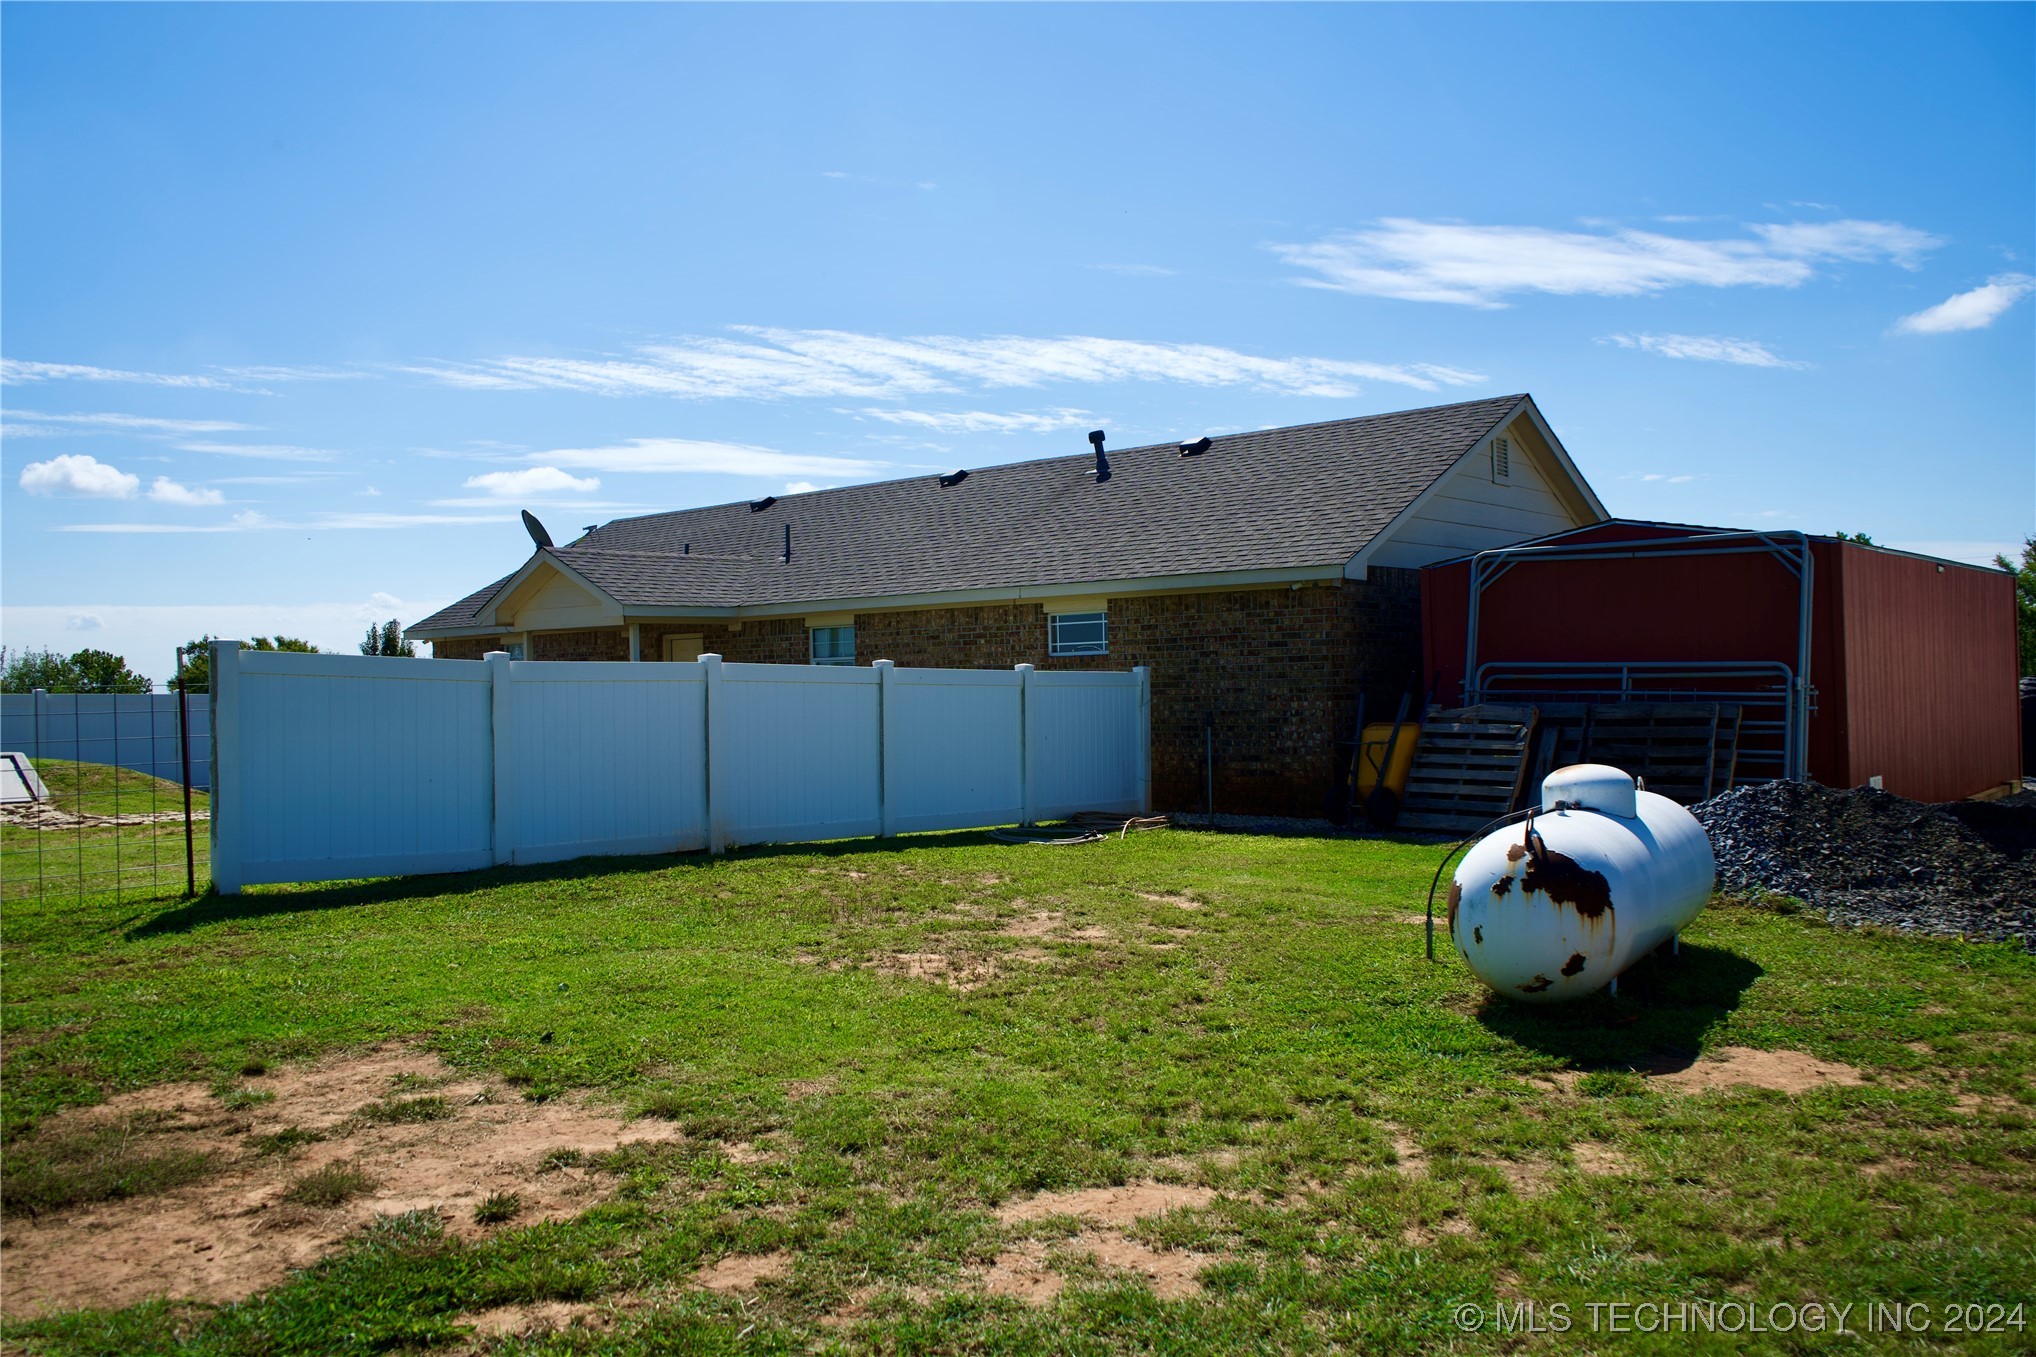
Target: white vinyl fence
128, 730
329, 767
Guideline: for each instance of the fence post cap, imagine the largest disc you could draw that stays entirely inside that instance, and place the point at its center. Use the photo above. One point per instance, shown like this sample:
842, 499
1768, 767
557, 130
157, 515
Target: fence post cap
883, 664
1022, 668
710, 658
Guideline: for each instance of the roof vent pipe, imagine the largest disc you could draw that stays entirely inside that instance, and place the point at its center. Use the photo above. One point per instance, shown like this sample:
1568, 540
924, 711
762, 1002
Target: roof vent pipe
954, 477
787, 557
1102, 462
1196, 448
757, 506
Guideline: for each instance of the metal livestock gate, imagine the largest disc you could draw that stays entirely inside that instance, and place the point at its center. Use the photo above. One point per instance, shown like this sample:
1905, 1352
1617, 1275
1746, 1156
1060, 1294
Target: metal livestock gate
330, 767
1850, 661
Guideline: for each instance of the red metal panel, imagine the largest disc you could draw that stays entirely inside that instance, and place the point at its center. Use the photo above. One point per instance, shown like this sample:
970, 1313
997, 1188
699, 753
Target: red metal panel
1930, 666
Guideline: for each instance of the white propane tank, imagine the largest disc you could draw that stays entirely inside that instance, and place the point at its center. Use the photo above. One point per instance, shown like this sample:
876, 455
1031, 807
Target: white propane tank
1557, 907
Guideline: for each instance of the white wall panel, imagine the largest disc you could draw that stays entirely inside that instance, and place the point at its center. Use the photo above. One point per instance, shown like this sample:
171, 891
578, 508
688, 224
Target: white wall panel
1083, 736
952, 752
799, 753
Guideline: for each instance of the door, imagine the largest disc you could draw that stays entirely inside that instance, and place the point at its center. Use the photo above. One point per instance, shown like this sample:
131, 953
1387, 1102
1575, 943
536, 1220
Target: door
683, 649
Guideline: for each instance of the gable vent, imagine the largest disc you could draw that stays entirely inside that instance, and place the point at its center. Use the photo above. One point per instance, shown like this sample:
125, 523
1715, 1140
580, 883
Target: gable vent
1502, 460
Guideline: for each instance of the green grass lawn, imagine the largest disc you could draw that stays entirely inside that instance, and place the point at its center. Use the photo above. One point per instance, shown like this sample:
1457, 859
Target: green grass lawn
63, 863
1276, 1042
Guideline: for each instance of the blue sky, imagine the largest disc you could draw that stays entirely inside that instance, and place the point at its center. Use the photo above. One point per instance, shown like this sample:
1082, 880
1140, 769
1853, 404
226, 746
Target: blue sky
302, 303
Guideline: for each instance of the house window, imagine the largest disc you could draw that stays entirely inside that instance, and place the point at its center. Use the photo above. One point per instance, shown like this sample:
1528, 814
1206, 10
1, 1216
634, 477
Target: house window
833, 645
1502, 460
515, 649
1078, 634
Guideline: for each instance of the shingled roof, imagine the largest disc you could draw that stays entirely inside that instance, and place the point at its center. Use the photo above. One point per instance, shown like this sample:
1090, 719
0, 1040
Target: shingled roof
1310, 495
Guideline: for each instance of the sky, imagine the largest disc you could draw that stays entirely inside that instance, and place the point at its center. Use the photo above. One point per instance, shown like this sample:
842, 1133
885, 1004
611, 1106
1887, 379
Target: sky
299, 305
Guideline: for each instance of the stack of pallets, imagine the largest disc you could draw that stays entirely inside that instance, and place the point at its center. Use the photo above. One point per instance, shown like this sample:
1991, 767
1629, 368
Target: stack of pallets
1469, 767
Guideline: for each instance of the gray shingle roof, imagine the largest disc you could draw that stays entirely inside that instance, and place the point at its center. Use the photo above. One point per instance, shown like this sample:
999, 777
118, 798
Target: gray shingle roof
1310, 495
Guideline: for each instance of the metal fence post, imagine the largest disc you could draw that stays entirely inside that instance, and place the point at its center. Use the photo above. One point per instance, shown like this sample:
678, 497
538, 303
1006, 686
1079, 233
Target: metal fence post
502, 802
184, 757
1025, 740
717, 755
886, 817
226, 779
1144, 674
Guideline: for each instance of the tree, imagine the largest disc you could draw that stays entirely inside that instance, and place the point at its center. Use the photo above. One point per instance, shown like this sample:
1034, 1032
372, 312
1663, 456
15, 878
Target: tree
88, 671
387, 639
289, 643
197, 670
2025, 600
1858, 537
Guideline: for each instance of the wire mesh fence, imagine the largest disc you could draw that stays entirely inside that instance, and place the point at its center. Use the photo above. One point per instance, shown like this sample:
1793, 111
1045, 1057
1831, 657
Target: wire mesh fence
105, 793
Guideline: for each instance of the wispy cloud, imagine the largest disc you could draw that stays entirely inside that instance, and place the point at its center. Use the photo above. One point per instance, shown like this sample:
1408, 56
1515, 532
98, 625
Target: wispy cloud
800, 487
82, 423
167, 491
253, 521
1706, 349
274, 452
1468, 265
78, 474
286, 373
17, 371
977, 421
1974, 310
690, 455
536, 480
770, 363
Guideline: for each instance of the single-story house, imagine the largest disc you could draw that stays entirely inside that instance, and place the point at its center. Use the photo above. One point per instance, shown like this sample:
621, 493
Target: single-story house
1266, 578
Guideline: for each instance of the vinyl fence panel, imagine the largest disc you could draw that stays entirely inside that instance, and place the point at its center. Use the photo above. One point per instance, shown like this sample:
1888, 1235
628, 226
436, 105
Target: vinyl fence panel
954, 756
328, 767
137, 731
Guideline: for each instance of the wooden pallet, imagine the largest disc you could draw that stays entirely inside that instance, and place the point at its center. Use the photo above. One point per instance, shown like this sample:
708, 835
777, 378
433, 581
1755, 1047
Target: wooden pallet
1672, 745
1725, 753
1469, 765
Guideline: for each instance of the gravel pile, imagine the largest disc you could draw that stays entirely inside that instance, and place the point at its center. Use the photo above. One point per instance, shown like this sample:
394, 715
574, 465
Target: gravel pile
1863, 856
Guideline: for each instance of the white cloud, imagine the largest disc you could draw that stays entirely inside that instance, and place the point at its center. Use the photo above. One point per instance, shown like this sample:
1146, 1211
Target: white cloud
84, 622
978, 421
769, 363
167, 491
536, 480
16, 371
688, 455
137, 423
1470, 265
1706, 349
1974, 310
271, 373
800, 487
77, 474
275, 452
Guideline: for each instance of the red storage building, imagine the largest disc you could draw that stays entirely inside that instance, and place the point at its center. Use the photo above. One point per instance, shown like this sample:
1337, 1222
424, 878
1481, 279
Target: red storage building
1849, 662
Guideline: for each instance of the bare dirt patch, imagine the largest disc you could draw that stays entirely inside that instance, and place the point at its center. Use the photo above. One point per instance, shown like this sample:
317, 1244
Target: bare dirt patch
1525, 1176
1421, 1236
1177, 901
233, 1233
1408, 1156
1974, 1103
1108, 1205
43, 815
540, 1317
1742, 1066
1603, 1160
1037, 925
744, 1271
1022, 1274
957, 972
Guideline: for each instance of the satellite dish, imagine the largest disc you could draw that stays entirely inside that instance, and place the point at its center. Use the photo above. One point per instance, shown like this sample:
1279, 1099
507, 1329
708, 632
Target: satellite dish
535, 529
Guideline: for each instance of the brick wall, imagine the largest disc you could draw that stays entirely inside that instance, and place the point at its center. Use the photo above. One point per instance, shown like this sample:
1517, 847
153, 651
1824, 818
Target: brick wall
1273, 674
463, 648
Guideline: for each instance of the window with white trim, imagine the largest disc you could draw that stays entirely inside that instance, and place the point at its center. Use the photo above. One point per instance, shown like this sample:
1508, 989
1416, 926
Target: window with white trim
833, 645
1078, 634
1502, 460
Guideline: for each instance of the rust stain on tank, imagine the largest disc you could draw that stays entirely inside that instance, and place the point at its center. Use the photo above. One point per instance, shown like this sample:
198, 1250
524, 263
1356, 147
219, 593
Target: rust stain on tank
1568, 882
1478, 932
1455, 899
1540, 983
1574, 964
1516, 852
1502, 887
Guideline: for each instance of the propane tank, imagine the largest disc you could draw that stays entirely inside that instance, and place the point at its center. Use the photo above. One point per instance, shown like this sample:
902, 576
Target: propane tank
1603, 874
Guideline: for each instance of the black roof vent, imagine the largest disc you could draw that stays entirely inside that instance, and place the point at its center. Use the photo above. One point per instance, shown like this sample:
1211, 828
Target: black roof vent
1196, 448
954, 478
1102, 462
757, 506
